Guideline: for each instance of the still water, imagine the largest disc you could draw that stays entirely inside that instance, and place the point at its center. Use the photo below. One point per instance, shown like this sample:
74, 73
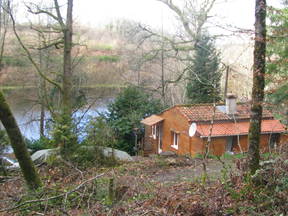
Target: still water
26, 109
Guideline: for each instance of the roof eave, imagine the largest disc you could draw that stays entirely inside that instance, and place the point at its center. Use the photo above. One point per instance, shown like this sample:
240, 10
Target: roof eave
242, 134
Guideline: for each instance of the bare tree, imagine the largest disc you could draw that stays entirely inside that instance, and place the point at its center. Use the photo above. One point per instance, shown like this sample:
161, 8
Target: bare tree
193, 16
169, 55
67, 85
63, 29
258, 85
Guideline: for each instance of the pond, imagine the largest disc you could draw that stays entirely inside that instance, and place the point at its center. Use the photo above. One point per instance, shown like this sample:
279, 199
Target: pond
26, 109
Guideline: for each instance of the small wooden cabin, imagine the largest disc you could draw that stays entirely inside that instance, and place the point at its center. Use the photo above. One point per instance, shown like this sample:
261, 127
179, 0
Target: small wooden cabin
169, 131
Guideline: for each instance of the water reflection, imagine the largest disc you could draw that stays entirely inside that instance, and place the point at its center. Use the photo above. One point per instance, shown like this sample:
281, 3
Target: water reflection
26, 109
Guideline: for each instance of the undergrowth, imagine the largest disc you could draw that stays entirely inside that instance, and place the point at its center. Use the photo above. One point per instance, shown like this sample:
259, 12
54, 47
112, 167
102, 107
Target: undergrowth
132, 189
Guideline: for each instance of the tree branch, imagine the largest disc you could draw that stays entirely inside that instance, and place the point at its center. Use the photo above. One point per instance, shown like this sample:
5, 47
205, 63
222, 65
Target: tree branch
53, 197
40, 11
60, 19
29, 54
182, 17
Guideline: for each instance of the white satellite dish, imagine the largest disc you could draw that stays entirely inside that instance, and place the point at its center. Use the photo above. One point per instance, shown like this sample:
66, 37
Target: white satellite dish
192, 129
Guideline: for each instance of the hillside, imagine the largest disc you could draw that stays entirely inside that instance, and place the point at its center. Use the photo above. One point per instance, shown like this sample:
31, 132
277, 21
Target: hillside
107, 57
152, 186
94, 59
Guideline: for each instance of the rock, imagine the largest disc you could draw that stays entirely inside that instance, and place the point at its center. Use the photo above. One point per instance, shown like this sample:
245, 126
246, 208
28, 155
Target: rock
119, 155
42, 155
108, 152
167, 154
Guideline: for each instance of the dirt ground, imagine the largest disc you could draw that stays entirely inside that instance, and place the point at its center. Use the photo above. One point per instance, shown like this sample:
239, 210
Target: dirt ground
150, 186
135, 183
171, 169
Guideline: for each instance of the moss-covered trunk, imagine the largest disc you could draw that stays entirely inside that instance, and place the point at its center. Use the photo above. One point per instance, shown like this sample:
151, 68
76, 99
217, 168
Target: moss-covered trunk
18, 145
66, 137
67, 62
258, 85
67, 83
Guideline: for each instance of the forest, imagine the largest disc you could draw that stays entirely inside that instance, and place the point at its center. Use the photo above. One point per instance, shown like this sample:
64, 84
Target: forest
77, 102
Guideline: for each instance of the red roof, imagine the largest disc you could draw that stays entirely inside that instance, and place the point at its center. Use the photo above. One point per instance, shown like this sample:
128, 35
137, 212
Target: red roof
204, 112
239, 128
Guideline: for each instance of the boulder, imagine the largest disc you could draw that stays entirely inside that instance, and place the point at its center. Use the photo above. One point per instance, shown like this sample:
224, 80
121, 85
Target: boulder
42, 155
119, 155
108, 152
168, 154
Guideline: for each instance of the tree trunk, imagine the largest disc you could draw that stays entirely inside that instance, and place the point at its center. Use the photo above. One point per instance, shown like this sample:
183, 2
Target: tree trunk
41, 96
67, 62
258, 85
42, 118
18, 145
67, 82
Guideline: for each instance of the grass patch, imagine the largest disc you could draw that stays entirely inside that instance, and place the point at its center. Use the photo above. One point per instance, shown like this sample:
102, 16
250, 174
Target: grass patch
103, 47
104, 86
268, 155
228, 156
107, 58
200, 156
12, 87
14, 62
16, 87
99, 58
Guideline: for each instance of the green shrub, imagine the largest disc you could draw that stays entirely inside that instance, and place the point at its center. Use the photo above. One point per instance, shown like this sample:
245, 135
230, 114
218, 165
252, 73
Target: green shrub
99, 133
39, 144
91, 156
125, 114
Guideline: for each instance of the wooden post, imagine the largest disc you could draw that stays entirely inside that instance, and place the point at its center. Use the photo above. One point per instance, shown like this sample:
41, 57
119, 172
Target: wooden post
111, 190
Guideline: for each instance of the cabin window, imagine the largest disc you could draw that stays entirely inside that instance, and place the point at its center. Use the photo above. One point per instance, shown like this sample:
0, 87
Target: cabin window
175, 140
154, 131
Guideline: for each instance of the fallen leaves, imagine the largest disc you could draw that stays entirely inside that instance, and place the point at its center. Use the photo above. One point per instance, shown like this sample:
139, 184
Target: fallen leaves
151, 186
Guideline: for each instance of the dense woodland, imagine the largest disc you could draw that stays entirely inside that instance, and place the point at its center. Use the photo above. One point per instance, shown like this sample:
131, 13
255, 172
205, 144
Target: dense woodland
147, 70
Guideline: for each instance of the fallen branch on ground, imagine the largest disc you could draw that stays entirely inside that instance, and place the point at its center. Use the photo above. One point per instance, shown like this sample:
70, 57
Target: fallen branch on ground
53, 197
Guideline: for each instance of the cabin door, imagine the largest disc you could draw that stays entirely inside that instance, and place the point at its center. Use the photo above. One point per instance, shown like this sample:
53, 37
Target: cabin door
231, 142
273, 140
160, 135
